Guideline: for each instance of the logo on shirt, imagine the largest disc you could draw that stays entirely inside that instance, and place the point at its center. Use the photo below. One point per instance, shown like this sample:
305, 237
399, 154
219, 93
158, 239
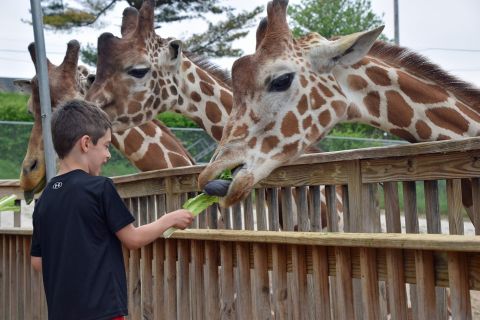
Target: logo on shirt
57, 185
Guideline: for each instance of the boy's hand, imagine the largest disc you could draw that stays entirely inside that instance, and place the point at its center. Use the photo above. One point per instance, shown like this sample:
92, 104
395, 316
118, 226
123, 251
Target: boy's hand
180, 219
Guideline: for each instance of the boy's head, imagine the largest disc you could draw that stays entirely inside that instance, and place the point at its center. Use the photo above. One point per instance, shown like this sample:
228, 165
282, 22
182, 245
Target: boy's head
82, 123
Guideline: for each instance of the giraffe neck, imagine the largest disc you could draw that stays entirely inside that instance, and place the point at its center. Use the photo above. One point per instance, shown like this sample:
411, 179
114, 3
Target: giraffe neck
205, 98
409, 103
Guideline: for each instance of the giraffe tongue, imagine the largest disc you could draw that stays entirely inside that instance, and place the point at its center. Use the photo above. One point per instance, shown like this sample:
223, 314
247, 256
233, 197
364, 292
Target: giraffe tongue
219, 187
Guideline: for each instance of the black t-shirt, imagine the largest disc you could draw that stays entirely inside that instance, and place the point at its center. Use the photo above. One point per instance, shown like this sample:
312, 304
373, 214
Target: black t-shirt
74, 225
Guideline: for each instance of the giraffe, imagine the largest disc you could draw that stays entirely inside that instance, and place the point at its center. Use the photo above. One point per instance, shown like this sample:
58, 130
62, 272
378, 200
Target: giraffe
149, 147
142, 74
291, 92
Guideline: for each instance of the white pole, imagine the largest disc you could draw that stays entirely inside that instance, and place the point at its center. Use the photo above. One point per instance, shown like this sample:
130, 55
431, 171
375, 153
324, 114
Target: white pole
42, 75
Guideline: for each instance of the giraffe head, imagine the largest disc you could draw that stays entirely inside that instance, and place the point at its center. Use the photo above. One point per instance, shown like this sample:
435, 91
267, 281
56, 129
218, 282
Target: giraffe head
285, 98
65, 84
134, 73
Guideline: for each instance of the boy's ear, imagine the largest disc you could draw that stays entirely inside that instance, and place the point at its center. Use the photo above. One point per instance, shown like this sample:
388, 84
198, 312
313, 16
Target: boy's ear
84, 142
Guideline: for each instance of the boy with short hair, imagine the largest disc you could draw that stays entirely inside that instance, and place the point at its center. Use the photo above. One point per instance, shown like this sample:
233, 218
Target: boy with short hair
80, 222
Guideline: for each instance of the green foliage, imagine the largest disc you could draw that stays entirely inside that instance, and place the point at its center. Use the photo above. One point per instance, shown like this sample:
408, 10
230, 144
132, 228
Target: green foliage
333, 17
175, 120
13, 107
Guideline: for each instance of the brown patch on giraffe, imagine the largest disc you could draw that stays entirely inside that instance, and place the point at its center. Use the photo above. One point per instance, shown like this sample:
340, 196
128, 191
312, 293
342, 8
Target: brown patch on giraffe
149, 114
269, 126
448, 118
241, 131
149, 129
316, 101
134, 142
252, 142
195, 96
139, 96
303, 81
173, 90
213, 112
148, 103
378, 75
404, 134
443, 137
138, 119
191, 77
186, 65
353, 112
313, 133
468, 111
356, 82
339, 107
419, 91
269, 143
180, 100
226, 100
156, 104
338, 89
206, 88
307, 122
423, 130
152, 84
325, 90
255, 118
302, 105
399, 112
146, 161
372, 101
289, 125
359, 63
192, 108
288, 151
134, 107
205, 77
325, 118
217, 132
178, 160
164, 94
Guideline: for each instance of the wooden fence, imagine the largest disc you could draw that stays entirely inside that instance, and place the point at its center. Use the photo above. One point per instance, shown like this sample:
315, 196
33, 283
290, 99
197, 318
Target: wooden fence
210, 274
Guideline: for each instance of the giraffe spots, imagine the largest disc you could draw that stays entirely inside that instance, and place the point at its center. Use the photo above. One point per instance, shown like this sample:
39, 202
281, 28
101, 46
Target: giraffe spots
468, 112
217, 132
399, 112
156, 104
356, 82
325, 90
269, 126
289, 124
307, 122
213, 112
372, 101
192, 108
359, 64
443, 137
134, 107
164, 94
152, 84
288, 151
316, 101
154, 74
303, 81
302, 105
186, 65
149, 128
226, 100
269, 143
133, 142
139, 96
173, 90
180, 100
195, 96
313, 133
206, 88
241, 131
138, 119
449, 119
255, 118
148, 103
339, 107
146, 162
325, 118
378, 75
205, 77
423, 130
123, 119
149, 114
191, 77
404, 134
252, 142
419, 91
178, 160
353, 112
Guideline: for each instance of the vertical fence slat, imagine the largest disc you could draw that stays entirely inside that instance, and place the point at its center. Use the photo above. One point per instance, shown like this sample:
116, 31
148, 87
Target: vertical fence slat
287, 209
3, 277
476, 204
158, 280
279, 279
170, 291
227, 307
261, 295
396, 284
260, 204
315, 208
425, 276
299, 293
134, 283
197, 287
273, 212
13, 278
332, 215
248, 213
27, 281
345, 309
237, 216
392, 207
454, 202
320, 283
243, 288
302, 209
212, 305
459, 286
369, 277
183, 301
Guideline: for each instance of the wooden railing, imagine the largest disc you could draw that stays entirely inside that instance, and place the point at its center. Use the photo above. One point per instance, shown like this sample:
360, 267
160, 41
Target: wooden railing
368, 275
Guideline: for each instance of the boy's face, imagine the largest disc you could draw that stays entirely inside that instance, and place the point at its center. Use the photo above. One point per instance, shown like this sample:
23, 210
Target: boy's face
99, 153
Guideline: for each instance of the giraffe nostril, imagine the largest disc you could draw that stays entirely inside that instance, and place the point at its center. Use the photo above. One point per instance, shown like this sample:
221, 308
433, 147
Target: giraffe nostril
33, 166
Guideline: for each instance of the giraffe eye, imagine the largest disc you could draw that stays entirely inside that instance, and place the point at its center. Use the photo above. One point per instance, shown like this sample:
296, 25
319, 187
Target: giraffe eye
281, 83
138, 73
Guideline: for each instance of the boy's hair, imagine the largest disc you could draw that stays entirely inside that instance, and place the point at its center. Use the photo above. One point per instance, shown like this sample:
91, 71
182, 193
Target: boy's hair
75, 119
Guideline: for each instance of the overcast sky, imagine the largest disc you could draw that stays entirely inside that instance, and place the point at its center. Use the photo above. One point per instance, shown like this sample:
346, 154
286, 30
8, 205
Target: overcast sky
445, 31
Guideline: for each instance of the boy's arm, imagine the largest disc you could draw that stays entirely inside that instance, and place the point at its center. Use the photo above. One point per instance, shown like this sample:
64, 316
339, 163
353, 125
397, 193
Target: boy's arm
134, 238
36, 263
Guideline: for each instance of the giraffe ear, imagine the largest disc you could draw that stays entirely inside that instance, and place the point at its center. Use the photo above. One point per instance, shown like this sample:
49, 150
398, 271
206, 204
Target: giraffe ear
346, 50
24, 86
175, 49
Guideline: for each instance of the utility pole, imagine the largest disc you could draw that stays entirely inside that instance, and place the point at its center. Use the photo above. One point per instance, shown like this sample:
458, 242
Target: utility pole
395, 19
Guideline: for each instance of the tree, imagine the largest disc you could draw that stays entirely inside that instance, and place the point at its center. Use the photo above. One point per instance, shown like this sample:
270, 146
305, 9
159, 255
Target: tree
332, 18
215, 42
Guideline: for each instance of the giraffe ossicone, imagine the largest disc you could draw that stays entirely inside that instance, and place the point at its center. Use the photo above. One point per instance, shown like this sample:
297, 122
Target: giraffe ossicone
291, 92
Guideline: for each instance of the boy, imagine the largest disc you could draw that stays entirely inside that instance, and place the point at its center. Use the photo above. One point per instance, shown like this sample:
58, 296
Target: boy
80, 220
